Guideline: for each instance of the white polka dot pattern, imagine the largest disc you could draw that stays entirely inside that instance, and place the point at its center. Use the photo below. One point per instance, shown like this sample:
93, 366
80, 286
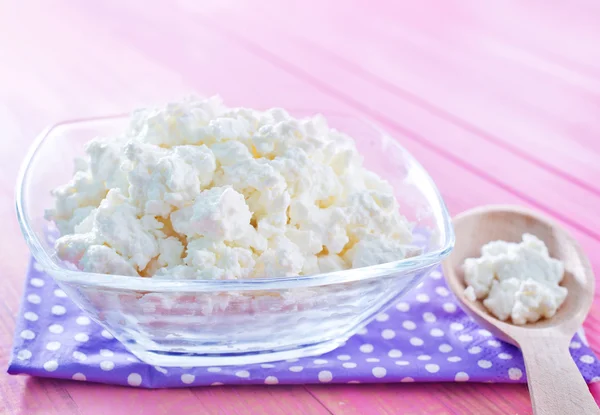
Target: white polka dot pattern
31, 316
58, 310
53, 346
271, 380
461, 377
429, 317
79, 355
394, 353
56, 329
435, 275
422, 298
514, 373
106, 335
423, 337
456, 326
134, 379
106, 353
37, 282
475, 350
82, 320
484, 364
107, 365
325, 376
416, 341
442, 291
403, 307
34, 299
587, 359
388, 334
445, 348
79, 376
366, 348
51, 365
28, 335
409, 325
187, 378
432, 368
436, 332
381, 317
379, 372
449, 307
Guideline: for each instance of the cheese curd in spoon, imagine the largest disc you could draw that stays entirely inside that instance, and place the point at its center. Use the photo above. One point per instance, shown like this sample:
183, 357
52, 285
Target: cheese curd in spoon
197, 190
517, 281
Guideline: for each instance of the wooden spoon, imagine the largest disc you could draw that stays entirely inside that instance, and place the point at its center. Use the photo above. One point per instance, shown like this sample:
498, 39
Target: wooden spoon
555, 384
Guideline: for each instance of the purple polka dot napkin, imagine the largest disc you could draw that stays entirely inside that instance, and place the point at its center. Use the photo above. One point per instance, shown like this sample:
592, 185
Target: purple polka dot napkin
425, 337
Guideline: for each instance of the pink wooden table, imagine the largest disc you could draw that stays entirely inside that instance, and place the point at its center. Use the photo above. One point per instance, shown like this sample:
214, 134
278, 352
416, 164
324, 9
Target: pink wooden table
499, 100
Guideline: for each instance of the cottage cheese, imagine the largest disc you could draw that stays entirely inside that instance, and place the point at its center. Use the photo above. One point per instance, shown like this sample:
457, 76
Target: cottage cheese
519, 281
196, 190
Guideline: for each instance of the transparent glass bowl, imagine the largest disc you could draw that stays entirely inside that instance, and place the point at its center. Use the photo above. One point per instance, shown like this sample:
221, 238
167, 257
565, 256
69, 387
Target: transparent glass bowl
204, 323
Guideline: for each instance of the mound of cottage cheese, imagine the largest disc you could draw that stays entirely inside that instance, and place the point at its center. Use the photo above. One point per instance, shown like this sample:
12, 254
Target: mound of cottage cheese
196, 190
519, 281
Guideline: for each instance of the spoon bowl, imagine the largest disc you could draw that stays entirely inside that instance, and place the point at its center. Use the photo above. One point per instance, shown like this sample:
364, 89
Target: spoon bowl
555, 384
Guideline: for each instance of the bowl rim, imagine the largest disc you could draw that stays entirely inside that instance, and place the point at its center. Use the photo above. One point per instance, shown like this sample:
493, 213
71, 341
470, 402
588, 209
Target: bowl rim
149, 285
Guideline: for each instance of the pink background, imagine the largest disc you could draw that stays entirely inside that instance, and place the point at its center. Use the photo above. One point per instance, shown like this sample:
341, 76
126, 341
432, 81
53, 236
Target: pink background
500, 101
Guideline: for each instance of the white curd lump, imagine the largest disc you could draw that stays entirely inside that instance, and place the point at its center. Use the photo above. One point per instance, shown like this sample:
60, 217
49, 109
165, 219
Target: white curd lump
196, 190
519, 281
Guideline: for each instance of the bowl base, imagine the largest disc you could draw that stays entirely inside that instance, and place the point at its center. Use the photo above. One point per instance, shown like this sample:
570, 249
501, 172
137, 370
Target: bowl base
186, 360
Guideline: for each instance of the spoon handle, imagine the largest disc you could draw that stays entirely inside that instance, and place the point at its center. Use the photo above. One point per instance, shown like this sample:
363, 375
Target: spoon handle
555, 385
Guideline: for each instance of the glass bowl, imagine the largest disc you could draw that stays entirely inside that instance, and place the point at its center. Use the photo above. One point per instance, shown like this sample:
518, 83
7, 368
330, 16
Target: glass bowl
210, 323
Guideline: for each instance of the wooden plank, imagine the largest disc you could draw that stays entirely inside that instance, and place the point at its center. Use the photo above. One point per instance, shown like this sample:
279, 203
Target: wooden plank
24, 395
410, 398
483, 82
293, 400
250, 400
